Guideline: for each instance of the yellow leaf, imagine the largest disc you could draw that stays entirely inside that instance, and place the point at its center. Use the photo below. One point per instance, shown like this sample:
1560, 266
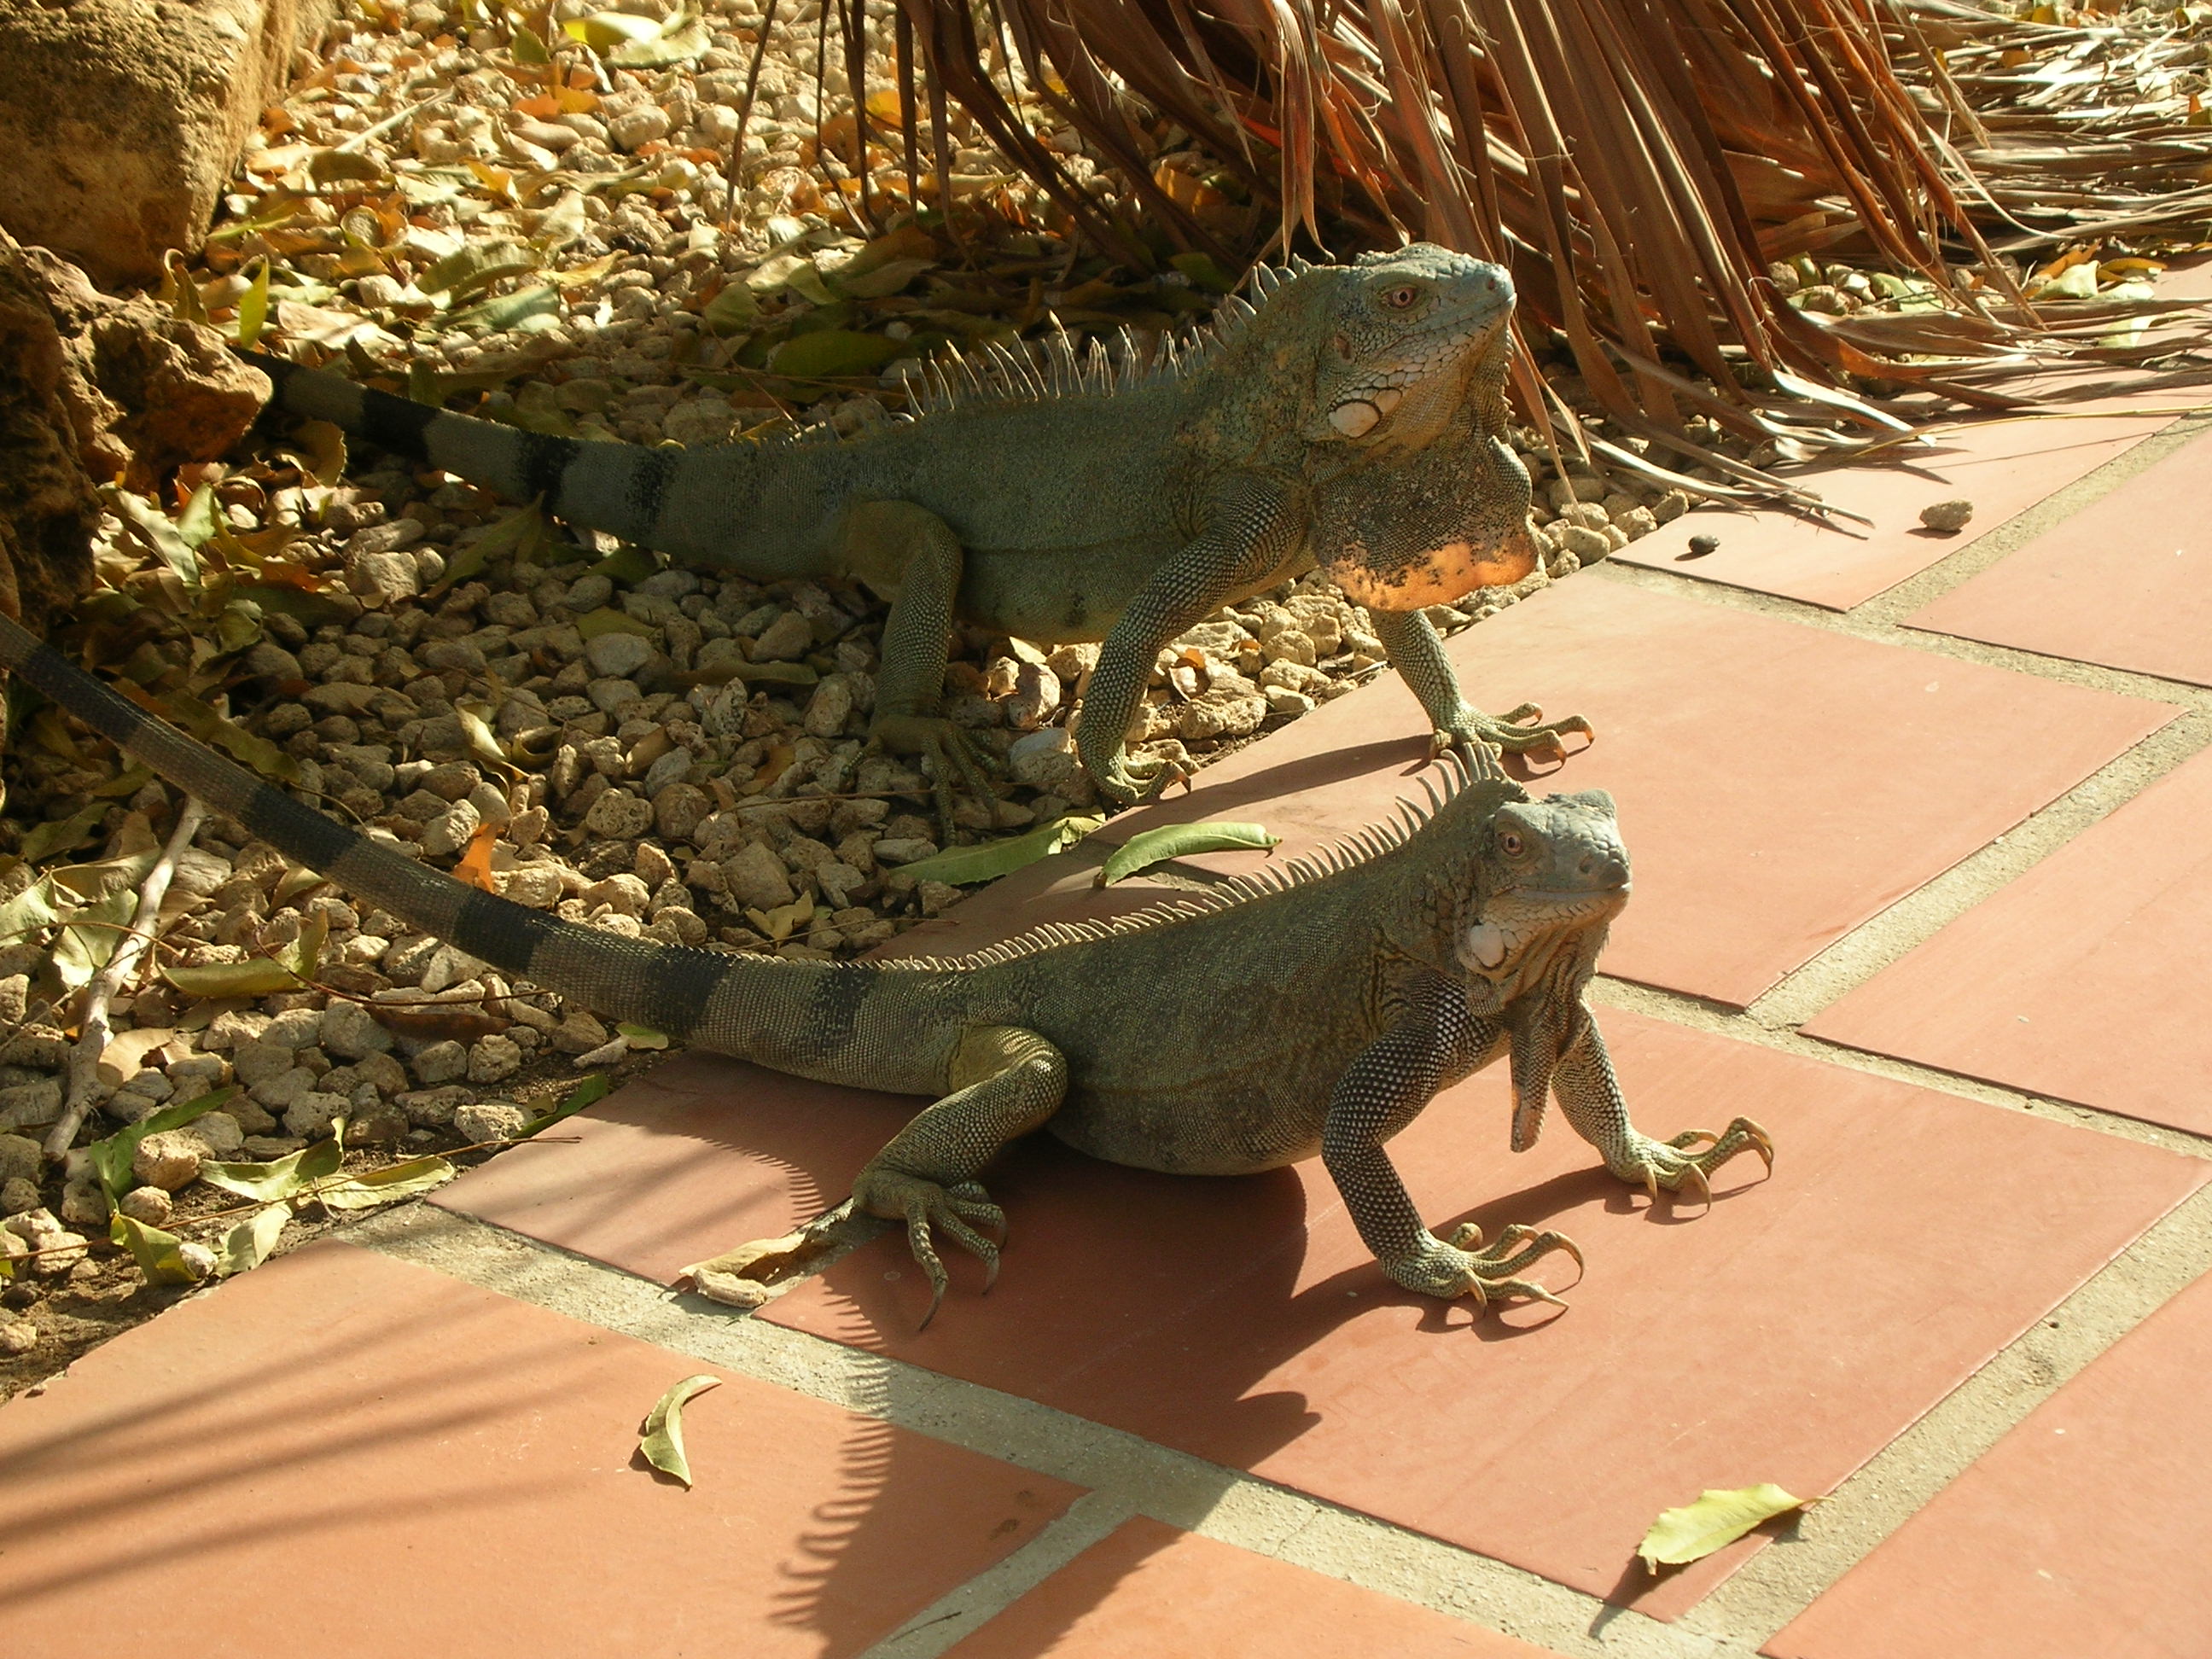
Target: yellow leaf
1696, 1530
661, 1441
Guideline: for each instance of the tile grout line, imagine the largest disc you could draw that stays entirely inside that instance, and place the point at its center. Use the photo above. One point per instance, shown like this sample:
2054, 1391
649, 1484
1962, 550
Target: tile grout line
1133, 1475
1897, 1481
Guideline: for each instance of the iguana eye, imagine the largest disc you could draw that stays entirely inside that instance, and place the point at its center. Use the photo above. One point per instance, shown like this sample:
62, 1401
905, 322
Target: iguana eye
1401, 296
1510, 844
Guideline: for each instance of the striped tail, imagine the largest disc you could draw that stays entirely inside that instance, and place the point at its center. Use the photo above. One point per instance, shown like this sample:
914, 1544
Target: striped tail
666, 987
614, 487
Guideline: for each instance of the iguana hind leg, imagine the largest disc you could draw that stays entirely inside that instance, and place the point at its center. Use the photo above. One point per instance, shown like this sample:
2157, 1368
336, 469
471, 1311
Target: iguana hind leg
1004, 1082
1435, 1039
1419, 656
1590, 1097
911, 557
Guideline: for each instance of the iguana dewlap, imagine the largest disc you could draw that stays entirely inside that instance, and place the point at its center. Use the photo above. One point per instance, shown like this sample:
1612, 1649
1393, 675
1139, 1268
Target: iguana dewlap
1315, 1009
1355, 417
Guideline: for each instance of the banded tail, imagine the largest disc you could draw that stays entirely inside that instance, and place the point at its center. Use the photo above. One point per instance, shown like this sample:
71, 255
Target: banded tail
666, 987
619, 488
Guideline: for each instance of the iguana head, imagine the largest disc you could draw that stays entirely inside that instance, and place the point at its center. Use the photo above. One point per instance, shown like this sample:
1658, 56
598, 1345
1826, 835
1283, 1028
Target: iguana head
1553, 874
1402, 327
1415, 502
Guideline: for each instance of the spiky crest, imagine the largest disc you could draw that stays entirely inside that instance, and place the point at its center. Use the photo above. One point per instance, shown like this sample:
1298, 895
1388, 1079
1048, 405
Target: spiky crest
1034, 371
1362, 848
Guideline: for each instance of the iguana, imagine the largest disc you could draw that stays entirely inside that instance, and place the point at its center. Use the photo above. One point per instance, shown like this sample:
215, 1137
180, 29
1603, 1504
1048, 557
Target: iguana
1314, 1009
1356, 417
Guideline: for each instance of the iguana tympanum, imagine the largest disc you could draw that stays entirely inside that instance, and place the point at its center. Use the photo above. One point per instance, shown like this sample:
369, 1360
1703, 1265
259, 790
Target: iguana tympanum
1313, 1009
1356, 417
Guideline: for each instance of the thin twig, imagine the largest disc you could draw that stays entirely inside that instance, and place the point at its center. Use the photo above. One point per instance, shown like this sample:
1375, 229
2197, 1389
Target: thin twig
84, 1058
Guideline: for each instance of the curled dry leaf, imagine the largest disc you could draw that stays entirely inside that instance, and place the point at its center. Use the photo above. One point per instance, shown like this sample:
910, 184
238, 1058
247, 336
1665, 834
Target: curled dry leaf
661, 1440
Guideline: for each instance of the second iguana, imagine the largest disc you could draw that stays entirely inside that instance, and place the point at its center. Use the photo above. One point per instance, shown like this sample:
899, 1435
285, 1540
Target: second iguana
1312, 1011
1355, 417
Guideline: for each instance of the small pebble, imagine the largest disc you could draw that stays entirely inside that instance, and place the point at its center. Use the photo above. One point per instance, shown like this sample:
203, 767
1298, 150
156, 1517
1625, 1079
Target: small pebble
1948, 516
1701, 545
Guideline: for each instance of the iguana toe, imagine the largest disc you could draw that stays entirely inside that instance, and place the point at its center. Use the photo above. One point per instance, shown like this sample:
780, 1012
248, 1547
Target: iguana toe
1448, 1270
1132, 779
949, 750
927, 1208
1522, 731
1672, 1165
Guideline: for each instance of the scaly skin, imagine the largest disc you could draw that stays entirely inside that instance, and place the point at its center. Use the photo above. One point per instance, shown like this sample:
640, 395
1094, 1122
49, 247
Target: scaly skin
1356, 417
1316, 1009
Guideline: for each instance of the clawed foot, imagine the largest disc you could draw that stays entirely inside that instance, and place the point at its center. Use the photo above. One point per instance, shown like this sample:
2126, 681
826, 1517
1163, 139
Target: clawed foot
1672, 1165
951, 752
924, 1205
1128, 780
1461, 1265
1522, 731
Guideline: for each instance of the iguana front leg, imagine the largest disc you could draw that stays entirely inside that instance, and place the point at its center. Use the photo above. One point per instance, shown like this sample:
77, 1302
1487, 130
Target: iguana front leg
1435, 1040
1590, 1097
911, 557
1250, 535
1004, 1082
1418, 655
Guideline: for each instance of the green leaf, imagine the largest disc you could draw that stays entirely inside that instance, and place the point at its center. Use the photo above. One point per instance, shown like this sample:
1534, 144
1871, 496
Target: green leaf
528, 46
794, 270
628, 564
111, 1158
385, 1186
30, 911
159, 1257
198, 521
253, 306
641, 1036
262, 976
608, 620
590, 1090
248, 1244
217, 731
63, 835
305, 954
884, 280
987, 861
496, 316
1204, 272
731, 311
1696, 1530
280, 1179
152, 526
833, 354
1176, 841
90, 934
522, 528
606, 30
681, 38
662, 1438
477, 266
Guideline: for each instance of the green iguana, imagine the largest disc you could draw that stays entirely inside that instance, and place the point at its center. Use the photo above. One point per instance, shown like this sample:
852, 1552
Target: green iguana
1314, 1009
1355, 417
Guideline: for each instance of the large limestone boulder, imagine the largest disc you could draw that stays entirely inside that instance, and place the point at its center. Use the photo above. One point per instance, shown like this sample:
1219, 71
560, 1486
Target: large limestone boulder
121, 119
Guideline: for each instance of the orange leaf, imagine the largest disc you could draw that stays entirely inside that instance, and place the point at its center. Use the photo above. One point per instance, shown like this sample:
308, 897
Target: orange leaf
475, 865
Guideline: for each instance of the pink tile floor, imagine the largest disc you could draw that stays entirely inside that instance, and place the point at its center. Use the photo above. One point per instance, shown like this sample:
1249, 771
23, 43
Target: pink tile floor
1780, 783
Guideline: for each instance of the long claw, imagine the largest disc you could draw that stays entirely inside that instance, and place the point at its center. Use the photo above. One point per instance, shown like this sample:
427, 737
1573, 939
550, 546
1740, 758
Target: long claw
1524, 1287
1651, 1182
1691, 1172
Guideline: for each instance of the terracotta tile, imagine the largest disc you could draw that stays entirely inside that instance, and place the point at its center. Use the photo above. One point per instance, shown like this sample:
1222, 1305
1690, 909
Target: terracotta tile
2126, 582
343, 1455
702, 1153
2002, 467
1146, 1590
2085, 1531
1786, 1335
1778, 784
2064, 982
